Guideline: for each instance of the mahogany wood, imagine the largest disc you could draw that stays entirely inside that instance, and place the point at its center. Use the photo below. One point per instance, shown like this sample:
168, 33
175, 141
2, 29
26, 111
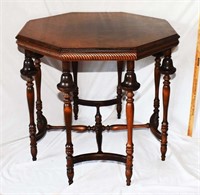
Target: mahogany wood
130, 83
75, 37
66, 86
97, 103
98, 129
29, 71
120, 67
100, 156
154, 120
82, 128
41, 120
69, 37
75, 98
167, 68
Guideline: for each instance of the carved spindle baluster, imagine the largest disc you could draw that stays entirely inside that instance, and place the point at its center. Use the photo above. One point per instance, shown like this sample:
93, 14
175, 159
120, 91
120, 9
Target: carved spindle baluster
41, 120
75, 71
167, 68
98, 129
129, 145
32, 127
66, 86
28, 71
120, 65
164, 128
130, 84
157, 84
69, 145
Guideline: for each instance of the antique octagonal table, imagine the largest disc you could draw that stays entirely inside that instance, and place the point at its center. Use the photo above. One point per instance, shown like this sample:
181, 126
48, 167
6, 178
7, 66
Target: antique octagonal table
75, 37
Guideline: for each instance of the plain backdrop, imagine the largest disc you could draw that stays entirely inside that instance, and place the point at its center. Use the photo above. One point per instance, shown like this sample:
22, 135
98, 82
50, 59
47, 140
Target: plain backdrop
179, 174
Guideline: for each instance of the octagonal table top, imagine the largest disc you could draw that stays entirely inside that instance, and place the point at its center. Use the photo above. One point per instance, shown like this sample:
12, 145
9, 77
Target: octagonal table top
92, 36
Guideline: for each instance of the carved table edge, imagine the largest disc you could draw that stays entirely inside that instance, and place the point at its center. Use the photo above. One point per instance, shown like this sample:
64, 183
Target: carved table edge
79, 55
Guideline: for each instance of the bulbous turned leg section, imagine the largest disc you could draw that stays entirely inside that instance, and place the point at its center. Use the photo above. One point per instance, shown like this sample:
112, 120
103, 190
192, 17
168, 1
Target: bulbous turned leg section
130, 81
28, 72
130, 84
75, 93
66, 86
167, 69
120, 66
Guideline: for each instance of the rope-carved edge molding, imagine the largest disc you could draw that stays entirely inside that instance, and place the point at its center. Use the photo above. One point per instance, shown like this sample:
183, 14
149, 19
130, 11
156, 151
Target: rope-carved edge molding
76, 56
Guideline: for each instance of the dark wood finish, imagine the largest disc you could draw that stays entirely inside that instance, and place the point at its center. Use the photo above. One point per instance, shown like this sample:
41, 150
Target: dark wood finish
129, 145
120, 66
75, 98
75, 37
130, 83
69, 37
98, 129
99, 156
154, 120
32, 128
41, 120
167, 68
69, 145
66, 86
97, 103
29, 71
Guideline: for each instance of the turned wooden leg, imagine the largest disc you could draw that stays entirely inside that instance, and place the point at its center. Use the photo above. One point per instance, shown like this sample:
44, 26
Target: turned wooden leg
167, 69
120, 65
75, 98
130, 84
66, 86
28, 71
98, 130
41, 120
157, 84
129, 145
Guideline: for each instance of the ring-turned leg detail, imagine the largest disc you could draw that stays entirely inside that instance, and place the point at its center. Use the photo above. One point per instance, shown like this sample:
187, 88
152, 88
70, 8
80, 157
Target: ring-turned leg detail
167, 69
75, 93
129, 145
154, 120
120, 65
130, 84
66, 86
41, 120
98, 129
28, 71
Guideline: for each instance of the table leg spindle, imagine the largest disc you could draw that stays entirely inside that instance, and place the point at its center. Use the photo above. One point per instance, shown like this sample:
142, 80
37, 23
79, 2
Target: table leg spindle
41, 120
98, 130
120, 65
28, 71
130, 84
157, 84
167, 69
129, 145
75, 98
66, 86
